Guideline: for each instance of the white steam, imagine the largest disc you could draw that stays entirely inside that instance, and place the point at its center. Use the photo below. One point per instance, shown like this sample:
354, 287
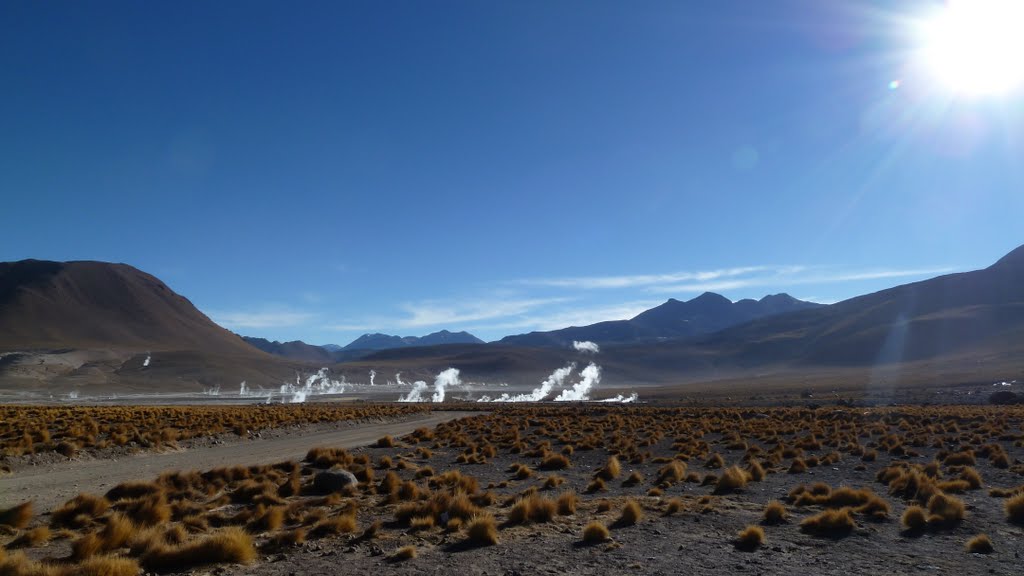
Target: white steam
622, 399
555, 379
446, 379
373, 374
581, 390
145, 363
586, 346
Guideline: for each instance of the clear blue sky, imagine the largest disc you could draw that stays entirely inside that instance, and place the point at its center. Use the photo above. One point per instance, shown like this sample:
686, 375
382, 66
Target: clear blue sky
317, 170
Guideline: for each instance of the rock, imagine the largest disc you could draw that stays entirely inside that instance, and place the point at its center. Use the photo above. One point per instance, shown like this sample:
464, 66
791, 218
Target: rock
333, 481
1004, 397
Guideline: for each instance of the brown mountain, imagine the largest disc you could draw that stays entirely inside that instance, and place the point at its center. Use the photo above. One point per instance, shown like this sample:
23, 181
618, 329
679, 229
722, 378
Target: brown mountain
95, 322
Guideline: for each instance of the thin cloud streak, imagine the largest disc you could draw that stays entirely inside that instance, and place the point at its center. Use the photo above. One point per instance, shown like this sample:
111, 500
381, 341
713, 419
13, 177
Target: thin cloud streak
262, 319
452, 315
633, 281
782, 280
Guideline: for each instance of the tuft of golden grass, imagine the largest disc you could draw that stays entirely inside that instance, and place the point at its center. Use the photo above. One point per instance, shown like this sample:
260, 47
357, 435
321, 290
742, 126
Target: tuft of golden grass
595, 533
972, 477
341, 524
17, 516
756, 471
567, 503
403, 553
386, 442
750, 538
596, 485
731, 480
915, 518
419, 523
1014, 508
554, 462
107, 566
604, 505
631, 513
673, 506
31, 538
945, 511
671, 473
775, 512
230, 545
980, 544
482, 530
634, 478
611, 470
833, 522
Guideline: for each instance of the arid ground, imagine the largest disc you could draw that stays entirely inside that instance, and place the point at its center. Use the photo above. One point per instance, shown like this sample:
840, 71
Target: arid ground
544, 489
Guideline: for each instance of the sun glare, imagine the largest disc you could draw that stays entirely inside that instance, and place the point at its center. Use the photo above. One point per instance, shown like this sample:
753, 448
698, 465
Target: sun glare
976, 46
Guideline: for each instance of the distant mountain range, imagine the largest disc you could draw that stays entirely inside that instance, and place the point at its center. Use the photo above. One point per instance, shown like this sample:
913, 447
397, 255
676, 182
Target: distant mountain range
75, 323
365, 344
704, 314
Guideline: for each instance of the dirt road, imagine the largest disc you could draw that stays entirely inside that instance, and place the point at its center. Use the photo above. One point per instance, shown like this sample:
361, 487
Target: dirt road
53, 484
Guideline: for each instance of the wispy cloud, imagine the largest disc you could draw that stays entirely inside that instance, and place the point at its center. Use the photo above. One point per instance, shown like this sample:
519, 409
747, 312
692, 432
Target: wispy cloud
802, 276
640, 280
454, 314
260, 319
577, 316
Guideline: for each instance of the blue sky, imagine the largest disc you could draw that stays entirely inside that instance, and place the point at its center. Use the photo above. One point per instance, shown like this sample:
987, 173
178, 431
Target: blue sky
318, 170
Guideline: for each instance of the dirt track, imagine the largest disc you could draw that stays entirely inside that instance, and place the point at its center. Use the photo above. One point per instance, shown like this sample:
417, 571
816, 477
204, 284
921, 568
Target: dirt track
53, 484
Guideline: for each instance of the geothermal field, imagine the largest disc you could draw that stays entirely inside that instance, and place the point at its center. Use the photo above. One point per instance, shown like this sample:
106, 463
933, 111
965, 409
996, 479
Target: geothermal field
432, 483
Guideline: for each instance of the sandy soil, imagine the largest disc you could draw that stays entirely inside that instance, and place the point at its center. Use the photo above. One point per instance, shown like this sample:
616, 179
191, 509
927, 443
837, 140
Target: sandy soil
53, 483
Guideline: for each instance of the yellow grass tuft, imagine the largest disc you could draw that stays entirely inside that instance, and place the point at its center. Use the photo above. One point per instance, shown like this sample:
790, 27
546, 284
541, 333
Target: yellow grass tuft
482, 530
631, 513
17, 516
775, 512
595, 533
403, 553
231, 545
834, 522
980, 544
750, 538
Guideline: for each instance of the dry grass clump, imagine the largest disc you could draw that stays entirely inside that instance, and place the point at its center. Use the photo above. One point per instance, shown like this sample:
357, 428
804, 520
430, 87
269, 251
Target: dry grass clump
750, 538
610, 470
31, 538
1014, 507
671, 473
231, 545
631, 513
595, 533
731, 480
17, 516
386, 442
980, 544
532, 508
341, 524
554, 462
482, 530
634, 478
775, 512
945, 511
673, 506
107, 566
834, 522
403, 553
79, 511
915, 518
567, 503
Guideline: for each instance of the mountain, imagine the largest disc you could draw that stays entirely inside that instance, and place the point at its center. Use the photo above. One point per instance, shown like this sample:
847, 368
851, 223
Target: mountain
982, 310
331, 347
97, 322
96, 304
704, 314
296, 349
386, 341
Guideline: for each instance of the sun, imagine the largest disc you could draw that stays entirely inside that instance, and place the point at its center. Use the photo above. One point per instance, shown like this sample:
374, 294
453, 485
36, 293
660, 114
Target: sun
976, 47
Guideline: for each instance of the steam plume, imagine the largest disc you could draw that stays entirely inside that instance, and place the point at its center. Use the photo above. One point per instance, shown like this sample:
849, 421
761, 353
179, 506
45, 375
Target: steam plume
581, 390
555, 379
444, 380
586, 346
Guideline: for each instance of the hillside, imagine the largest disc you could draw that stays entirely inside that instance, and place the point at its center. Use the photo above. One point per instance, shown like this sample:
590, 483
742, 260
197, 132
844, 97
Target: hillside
71, 323
380, 341
296, 349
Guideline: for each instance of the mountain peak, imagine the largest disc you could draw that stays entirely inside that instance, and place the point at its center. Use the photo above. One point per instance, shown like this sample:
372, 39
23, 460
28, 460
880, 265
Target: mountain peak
1015, 259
